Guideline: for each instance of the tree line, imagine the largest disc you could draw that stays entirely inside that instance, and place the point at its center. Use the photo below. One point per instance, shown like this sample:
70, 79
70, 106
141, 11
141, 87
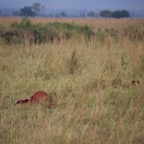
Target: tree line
34, 10
110, 14
114, 14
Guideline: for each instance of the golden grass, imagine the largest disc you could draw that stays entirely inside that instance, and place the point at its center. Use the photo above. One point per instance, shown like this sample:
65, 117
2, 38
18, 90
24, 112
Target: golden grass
95, 23
97, 103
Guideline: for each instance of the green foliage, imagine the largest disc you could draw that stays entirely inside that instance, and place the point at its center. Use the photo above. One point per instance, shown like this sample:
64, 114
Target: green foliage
39, 33
26, 31
24, 24
68, 29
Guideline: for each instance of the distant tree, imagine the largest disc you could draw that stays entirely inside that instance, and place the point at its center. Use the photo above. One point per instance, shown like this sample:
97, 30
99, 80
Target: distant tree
27, 12
63, 14
106, 13
15, 13
120, 14
37, 7
125, 13
57, 15
91, 14
1, 13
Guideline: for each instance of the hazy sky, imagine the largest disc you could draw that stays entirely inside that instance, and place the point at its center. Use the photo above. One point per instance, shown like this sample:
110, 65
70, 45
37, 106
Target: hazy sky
77, 4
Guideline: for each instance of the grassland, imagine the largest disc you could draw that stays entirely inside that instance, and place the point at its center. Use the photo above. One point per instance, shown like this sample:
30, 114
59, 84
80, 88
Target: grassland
97, 103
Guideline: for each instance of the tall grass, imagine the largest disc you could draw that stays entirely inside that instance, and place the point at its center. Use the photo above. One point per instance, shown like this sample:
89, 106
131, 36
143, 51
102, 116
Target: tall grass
96, 100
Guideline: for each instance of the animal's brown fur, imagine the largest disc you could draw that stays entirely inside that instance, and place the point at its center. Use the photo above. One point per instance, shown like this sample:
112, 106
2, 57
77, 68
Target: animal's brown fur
39, 97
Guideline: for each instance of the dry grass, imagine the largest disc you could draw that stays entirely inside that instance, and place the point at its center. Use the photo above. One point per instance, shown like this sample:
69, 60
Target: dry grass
97, 102
95, 23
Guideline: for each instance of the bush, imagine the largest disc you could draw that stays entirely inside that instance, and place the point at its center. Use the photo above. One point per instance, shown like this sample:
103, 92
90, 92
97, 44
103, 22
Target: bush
69, 29
39, 33
33, 32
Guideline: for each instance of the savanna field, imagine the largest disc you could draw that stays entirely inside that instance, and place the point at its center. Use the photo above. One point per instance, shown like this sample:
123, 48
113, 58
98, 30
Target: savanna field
96, 69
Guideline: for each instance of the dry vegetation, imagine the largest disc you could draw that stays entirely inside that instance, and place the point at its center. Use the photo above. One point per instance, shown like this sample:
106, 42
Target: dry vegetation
97, 102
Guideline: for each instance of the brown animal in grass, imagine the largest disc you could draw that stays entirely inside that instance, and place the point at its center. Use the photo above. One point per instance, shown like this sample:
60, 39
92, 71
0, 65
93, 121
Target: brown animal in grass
37, 98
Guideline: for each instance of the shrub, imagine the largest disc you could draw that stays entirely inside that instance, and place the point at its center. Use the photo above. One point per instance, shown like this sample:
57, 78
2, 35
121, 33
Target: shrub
39, 33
